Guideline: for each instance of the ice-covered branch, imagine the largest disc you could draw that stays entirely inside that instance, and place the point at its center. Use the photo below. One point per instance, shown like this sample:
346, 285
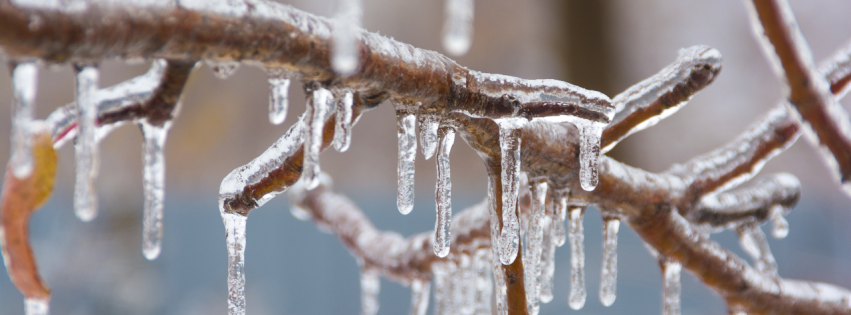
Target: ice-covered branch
752, 205
646, 103
825, 121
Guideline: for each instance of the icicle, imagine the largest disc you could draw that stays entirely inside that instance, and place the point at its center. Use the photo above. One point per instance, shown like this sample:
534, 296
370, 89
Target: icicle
754, 243
458, 28
548, 262
370, 285
609, 272
317, 107
154, 186
781, 226
25, 82
534, 247
347, 22
343, 129
559, 217
576, 299
278, 98
464, 286
405, 128
223, 69
509, 238
670, 286
442, 288
85, 194
235, 232
499, 288
36, 306
428, 134
443, 193
419, 297
484, 284
589, 153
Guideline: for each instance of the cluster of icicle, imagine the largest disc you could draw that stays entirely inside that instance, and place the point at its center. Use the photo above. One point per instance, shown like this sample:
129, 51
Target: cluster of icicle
81, 120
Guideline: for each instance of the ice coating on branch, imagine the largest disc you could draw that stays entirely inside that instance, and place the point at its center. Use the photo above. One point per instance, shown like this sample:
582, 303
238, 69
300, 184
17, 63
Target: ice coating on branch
419, 297
24, 84
576, 299
534, 246
754, 243
86, 149
36, 306
428, 134
781, 226
370, 285
609, 271
318, 107
222, 69
548, 263
278, 99
343, 128
153, 180
509, 238
589, 153
670, 286
406, 125
347, 23
458, 27
235, 234
484, 283
443, 193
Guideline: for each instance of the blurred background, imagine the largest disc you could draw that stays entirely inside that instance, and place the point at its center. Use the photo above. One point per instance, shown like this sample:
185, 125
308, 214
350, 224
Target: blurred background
292, 268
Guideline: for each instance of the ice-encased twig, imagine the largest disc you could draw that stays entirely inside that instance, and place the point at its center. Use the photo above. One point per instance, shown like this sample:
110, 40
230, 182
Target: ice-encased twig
754, 243
754, 204
343, 128
370, 285
86, 149
824, 120
443, 193
609, 271
576, 298
646, 103
406, 124
534, 246
24, 84
458, 26
347, 23
153, 179
670, 285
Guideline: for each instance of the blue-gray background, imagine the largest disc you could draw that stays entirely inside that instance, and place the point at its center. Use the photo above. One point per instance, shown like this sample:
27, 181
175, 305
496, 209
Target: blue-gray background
292, 268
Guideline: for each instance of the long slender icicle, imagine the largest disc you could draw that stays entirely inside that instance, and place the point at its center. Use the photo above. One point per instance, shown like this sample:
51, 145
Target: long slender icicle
442, 278
153, 180
609, 272
318, 106
500, 290
559, 216
406, 124
670, 286
36, 306
235, 232
86, 149
443, 193
347, 22
576, 299
25, 83
534, 247
370, 285
754, 243
589, 153
428, 134
458, 28
343, 128
509, 238
548, 262
278, 98
419, 297
465, 286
